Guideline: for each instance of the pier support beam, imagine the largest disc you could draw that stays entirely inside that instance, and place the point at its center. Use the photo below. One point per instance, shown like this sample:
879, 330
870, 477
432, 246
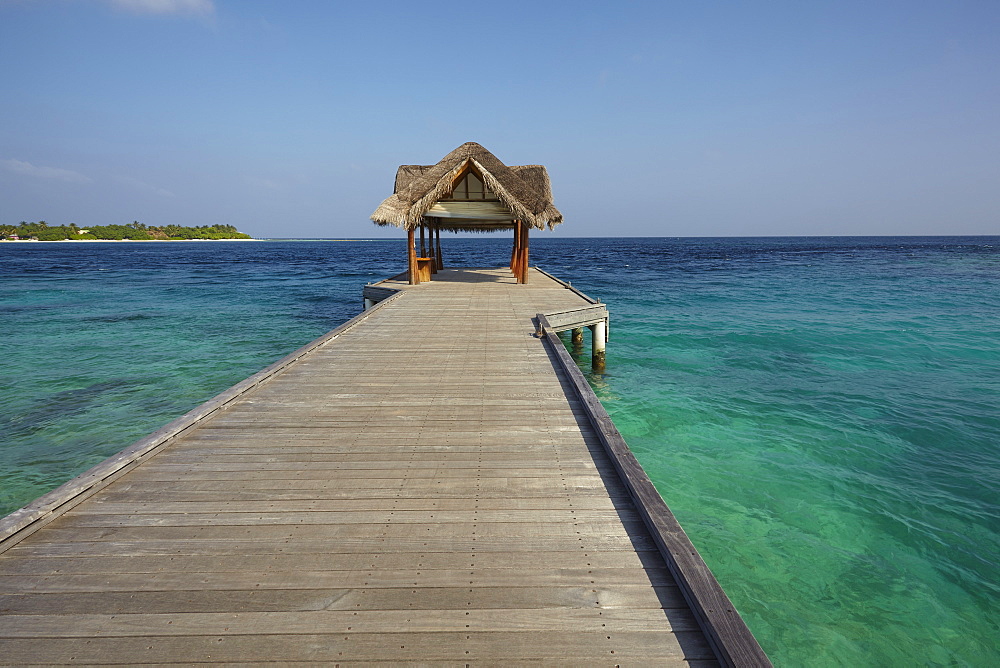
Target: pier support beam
577, 337
368, 303
600, 338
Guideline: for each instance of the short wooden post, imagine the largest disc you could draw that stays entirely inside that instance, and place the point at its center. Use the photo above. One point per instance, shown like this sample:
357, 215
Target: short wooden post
600, 338
412, 257
423, 249
577, 337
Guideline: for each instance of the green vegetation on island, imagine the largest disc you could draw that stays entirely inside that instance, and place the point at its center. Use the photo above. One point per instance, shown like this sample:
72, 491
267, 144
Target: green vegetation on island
135, 231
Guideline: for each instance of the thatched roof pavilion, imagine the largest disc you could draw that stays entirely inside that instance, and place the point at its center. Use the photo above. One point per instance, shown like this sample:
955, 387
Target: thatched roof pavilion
469, 190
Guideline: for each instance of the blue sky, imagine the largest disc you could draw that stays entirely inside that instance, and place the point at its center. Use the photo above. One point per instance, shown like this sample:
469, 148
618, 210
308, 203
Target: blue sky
288, 119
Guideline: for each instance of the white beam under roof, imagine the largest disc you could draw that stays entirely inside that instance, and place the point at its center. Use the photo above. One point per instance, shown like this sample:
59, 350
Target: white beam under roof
485, 210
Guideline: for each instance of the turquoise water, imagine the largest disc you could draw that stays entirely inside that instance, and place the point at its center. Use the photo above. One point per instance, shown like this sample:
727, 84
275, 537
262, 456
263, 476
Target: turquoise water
823, 415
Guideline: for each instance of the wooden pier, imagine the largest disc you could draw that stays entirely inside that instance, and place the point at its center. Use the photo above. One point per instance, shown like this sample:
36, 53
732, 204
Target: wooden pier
431, 482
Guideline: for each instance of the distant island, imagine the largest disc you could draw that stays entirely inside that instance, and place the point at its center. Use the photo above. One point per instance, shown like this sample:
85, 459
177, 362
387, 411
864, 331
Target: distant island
135, 231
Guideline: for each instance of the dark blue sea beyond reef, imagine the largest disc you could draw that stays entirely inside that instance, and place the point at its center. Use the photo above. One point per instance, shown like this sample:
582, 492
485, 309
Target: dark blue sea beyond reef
822, 414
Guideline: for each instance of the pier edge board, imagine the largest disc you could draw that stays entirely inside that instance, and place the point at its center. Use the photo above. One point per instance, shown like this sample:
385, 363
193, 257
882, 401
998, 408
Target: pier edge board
731, 639
568, 286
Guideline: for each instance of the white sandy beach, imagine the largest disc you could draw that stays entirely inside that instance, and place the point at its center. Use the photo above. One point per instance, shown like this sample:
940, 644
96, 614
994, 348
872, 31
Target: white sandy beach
111, 241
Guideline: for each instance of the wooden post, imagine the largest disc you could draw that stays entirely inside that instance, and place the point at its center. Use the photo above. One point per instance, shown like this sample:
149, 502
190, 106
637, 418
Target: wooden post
430, 247
520, 251
513, 248
423, 249
412, 257
577, 337
524, 254
600, 338
440, 258
520, 241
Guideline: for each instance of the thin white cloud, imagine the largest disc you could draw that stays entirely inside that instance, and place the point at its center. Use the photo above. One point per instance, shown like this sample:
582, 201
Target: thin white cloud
166, 6
144, 187
28, 169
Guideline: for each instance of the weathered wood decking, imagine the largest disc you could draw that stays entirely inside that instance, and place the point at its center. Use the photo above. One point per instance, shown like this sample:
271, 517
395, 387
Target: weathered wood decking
422, 485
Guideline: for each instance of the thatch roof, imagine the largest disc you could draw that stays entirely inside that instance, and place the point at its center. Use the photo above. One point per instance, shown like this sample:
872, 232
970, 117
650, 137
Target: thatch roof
524, 190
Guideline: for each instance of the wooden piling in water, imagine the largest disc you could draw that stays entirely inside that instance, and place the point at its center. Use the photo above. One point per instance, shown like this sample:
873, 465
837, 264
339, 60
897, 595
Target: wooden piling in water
599, 343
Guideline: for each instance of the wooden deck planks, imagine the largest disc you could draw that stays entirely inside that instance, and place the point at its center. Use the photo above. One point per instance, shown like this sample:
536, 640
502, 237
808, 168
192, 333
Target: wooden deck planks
579, 647
112, 560
420, 488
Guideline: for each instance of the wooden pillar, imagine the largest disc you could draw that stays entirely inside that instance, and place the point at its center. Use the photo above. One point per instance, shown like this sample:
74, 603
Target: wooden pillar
600, 338
440, 258
423, 249
430, 247
519, 264
411, 253
523, 263
515, 264
513, 248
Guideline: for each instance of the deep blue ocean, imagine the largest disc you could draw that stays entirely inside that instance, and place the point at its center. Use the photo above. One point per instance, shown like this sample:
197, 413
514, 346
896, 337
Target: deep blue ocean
822, 414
